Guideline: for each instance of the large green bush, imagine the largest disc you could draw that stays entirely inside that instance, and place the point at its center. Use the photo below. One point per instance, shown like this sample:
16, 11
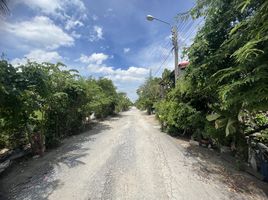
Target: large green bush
45, 98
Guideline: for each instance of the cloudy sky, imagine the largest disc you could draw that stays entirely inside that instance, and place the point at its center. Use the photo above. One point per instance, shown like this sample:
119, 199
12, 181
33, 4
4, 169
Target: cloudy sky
99, 38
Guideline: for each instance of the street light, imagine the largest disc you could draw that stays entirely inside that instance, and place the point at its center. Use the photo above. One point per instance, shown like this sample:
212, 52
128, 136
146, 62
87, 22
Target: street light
174, 41
151, 18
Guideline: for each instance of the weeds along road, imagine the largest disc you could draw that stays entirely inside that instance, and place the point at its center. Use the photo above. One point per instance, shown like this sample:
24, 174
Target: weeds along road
125, 157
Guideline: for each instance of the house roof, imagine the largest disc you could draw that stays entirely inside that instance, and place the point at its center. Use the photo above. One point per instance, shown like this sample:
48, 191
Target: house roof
183, 64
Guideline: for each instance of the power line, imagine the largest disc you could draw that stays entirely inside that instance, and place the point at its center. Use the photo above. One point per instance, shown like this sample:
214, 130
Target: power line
161, 65
192, 32
182, 25
186, 29
158, 48
162, 51
165, 50
188, 34
188, 26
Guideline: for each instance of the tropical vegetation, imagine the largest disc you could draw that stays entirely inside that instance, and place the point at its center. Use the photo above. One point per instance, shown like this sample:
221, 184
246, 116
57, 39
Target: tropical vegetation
223, 94
47, 102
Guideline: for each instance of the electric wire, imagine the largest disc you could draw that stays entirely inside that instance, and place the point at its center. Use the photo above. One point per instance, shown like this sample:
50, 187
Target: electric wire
164, 50
163, 45
186, 28
164, 61
188, 35
191, 32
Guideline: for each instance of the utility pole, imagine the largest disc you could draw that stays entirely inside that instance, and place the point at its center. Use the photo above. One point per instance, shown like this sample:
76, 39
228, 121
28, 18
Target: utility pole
150, 74
174, 32
176, 51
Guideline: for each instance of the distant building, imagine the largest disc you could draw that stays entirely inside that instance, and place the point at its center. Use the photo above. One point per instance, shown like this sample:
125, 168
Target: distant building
182, 66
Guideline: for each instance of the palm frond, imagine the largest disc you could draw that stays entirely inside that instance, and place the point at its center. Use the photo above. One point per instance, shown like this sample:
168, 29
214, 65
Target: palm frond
3, 7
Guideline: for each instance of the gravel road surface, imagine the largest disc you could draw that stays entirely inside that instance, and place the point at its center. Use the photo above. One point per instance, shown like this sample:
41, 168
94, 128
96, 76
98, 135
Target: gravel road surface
127, 157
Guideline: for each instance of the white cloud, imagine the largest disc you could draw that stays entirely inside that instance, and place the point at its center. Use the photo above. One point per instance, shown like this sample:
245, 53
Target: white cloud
40, 32
75, 34
45, 6
95, 58
71, 23
95, 17
126, 50
77, 3
109, 13
55, 7
62, 10
104, 47
169, 37
126, 80
39, 56
155, 54
99, 32
132, 74
96, 65
96, 34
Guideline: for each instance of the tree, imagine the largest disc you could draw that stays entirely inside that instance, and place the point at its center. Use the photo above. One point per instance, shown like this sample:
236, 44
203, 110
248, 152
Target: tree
44, 99
123, 102
149, 94
229, 60
225, 88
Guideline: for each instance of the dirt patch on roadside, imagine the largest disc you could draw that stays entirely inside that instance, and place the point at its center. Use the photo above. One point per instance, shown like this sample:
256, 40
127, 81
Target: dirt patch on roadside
212, 166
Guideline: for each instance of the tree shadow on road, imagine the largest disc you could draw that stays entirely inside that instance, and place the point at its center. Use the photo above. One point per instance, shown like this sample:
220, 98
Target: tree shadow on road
118, 116
35, 178
211, 166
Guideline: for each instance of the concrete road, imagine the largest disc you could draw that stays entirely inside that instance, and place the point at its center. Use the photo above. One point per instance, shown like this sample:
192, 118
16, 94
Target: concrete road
125, 157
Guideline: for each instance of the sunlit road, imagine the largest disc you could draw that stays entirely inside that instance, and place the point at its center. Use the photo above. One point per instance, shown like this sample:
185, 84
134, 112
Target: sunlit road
126, 157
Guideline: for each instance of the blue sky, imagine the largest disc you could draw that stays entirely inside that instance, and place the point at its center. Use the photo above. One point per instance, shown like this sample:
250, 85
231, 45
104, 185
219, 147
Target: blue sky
99, 38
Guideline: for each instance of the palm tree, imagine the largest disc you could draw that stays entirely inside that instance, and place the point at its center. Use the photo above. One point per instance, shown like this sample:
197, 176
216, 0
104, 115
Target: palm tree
3, 7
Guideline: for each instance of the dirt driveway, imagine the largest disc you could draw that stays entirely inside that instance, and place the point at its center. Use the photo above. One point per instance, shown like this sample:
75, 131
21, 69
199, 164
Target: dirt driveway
127, 157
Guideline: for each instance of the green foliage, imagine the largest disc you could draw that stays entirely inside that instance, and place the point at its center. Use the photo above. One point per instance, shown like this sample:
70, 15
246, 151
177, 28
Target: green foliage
175, 111
123, 102
149, 94
167, 82
3, 7
48, 99
229, 60
257, 123
104, 99
223, 94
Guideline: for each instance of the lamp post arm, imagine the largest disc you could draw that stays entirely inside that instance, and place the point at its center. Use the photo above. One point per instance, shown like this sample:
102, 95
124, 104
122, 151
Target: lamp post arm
163, 21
